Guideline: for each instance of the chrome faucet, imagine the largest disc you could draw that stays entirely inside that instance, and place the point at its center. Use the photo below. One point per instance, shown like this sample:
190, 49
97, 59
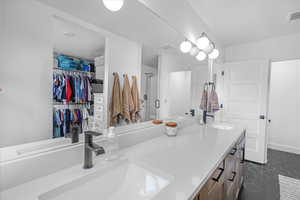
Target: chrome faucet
205, 115
90, 147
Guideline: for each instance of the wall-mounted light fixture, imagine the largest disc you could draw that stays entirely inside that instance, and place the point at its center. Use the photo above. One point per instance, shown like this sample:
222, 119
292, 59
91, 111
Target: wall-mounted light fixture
202, 49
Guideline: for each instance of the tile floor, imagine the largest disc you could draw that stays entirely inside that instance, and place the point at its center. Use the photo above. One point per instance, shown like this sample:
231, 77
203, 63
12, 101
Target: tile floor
261, 181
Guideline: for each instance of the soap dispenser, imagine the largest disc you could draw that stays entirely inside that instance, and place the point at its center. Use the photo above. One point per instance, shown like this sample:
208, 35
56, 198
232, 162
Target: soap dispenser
112, 144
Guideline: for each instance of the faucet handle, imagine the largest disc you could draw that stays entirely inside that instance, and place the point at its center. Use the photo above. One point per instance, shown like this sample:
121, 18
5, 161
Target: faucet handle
92, 133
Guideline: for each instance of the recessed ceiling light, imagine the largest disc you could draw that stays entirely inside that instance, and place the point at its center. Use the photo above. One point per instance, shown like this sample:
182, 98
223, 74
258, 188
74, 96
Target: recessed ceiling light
69, 34
113, 5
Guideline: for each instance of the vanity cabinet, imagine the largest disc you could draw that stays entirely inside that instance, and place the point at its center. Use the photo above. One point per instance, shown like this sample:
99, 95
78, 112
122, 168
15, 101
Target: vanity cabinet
227, 180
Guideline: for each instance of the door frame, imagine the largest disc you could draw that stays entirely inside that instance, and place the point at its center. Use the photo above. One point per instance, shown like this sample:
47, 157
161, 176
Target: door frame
269, 100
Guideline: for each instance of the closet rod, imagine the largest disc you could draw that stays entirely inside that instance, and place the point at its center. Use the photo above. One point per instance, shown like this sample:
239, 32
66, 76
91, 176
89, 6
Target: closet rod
73, 71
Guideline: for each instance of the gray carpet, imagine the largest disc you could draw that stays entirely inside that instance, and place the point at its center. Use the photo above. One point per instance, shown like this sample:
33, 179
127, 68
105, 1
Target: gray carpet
261, 181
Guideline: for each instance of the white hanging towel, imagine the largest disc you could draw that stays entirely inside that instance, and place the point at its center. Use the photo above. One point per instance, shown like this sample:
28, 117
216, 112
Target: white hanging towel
213, 100
204, 99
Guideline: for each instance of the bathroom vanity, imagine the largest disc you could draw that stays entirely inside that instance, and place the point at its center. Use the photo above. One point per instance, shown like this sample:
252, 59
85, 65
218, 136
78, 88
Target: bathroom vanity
200, 163
227, 180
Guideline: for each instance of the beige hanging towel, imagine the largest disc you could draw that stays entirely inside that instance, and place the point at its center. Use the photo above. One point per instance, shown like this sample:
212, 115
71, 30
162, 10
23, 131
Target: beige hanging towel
127, 106
136, 100
213, 101
116, 101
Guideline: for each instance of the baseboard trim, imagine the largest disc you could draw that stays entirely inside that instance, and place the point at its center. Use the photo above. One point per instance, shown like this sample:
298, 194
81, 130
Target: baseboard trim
285, 148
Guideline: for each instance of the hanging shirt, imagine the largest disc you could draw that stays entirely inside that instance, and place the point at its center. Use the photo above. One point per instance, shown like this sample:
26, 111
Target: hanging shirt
69, 90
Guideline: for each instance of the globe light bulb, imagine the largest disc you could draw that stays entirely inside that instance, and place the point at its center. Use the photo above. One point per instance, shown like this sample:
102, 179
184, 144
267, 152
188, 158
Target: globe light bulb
203, 42
201, 56
185, 46
214, 54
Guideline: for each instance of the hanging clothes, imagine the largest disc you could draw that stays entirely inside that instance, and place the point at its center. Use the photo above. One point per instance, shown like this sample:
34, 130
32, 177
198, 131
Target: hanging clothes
127, 102
116, 101
136, 100
71, 88
64, 120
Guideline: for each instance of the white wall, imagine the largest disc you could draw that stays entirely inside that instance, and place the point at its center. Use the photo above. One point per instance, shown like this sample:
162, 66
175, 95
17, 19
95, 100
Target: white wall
122, 56
275, 49
26, 59
179, 92
284, 108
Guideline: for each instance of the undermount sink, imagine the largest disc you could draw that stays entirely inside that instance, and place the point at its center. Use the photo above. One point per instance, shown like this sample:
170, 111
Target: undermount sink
124, 181
222, 126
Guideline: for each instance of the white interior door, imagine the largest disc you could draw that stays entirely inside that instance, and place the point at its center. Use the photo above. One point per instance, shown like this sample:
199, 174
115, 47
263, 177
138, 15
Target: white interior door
179, 93
245, 102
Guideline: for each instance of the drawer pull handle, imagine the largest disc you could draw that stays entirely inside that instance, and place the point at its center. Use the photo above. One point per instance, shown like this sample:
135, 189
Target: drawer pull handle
234, 150
233, 177
219, 176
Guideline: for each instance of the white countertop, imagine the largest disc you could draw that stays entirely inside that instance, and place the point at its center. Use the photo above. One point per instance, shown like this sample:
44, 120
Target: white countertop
189, 159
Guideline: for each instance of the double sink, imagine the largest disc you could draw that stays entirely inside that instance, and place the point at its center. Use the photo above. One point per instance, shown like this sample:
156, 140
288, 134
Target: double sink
124, 180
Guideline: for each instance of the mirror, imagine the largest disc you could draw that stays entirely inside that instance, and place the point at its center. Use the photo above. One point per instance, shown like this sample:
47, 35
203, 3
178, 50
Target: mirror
87, 42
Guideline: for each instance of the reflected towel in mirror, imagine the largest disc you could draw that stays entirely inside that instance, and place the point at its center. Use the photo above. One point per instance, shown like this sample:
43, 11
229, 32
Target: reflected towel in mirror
116, 101
127, 103
136, 100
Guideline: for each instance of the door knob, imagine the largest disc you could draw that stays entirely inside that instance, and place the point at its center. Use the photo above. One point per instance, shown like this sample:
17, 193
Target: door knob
157, 104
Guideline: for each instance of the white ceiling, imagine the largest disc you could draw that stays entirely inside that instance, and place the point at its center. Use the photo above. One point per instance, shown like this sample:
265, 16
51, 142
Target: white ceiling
83, 43
136, 22
241, 21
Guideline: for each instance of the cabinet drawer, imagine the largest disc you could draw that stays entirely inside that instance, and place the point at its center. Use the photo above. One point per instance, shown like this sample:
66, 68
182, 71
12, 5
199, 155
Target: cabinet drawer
216, 193
214, 188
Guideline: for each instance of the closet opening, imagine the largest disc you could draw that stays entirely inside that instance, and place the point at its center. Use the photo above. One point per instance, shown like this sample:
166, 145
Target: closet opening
78, 77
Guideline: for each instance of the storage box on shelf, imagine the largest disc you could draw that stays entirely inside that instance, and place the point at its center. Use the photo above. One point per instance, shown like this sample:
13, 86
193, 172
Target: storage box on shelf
98, 121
